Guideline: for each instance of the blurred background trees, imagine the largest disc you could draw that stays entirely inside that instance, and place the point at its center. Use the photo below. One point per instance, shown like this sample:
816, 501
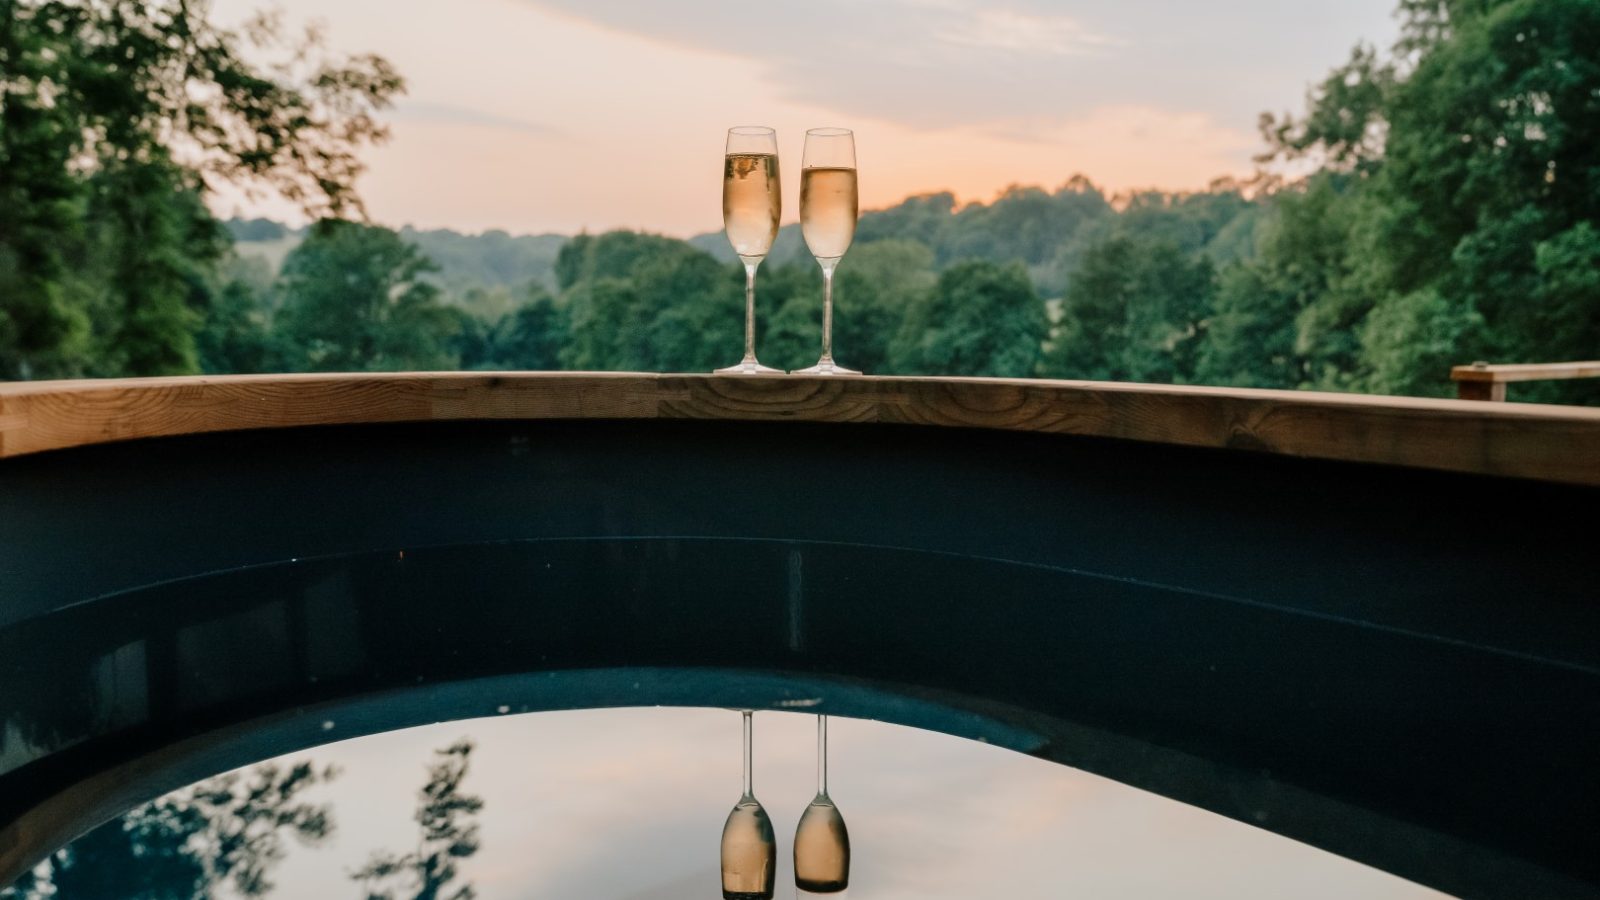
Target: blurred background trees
1446, 209
118, 118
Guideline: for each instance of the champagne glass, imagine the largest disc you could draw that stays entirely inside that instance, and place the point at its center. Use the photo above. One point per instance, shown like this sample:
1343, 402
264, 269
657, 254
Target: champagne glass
751, 203
828, 206
749, 849
821, 843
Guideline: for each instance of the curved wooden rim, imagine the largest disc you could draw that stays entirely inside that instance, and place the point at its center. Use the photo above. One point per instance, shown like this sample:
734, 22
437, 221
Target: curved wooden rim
1550, 443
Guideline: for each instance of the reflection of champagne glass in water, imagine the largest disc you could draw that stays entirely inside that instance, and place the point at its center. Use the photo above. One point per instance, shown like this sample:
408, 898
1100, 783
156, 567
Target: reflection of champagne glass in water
751, 203
828, 205
749, 850
821, 843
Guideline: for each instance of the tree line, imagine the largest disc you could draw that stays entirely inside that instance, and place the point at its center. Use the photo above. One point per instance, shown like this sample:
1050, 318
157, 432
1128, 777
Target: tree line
1446, 209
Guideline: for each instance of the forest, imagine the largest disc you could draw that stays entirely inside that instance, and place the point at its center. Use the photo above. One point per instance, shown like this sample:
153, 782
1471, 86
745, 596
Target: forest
1435, 202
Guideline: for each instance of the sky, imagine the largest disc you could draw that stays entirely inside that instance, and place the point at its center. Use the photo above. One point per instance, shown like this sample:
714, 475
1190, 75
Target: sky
561, 115
629, 804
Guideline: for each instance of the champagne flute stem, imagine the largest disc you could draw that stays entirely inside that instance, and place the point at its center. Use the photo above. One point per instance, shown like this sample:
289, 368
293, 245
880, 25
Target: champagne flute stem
749, 789
750, 310
828, 266
822, 756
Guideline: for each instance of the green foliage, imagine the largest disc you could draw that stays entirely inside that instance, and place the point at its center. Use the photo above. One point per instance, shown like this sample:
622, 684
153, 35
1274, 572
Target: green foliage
1450, 213
875, 286
1135, 311
117, 118
528, 338
536, 333
1345, 125
353, 301
234, 334
647, 303
1409, 339
155, 239
488, 260
923, 219
1287, 316
1565, 309
980, 319
1026, 224
1467, 231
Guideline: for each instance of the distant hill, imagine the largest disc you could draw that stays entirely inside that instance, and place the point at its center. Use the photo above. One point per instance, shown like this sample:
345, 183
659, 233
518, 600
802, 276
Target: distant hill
1048, 231
487, 271
491, 259
789, 247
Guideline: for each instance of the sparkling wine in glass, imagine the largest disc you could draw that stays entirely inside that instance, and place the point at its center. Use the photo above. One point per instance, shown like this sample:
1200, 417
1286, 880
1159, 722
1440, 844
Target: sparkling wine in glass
749, 849
821, 843
751, 203
828, 207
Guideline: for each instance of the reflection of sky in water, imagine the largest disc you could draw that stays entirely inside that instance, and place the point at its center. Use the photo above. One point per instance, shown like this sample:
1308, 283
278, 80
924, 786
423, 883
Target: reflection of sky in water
629, 804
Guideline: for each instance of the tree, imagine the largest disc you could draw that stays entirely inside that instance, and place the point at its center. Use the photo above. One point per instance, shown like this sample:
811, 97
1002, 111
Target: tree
1494, 152
980, 319
536, 333
449, 835
609, 330
117, 119
874, 287
693, 308
1474, 151
1290, 317
1345, 123
1250, 336
353, 300
643, 302
922, 218
1023, 223
229, 830
234, 335
529, 337
1136, 310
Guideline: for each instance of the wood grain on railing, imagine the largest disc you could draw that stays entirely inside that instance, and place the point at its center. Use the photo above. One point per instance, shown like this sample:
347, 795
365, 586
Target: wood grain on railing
1523, 440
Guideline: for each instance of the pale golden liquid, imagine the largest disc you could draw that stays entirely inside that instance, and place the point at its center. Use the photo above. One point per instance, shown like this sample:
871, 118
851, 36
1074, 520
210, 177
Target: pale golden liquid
828, 210
821, 850
751, 202
749, 853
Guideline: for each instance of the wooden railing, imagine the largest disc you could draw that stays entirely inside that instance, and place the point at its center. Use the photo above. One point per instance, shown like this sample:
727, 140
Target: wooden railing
1523, 440
1481, 381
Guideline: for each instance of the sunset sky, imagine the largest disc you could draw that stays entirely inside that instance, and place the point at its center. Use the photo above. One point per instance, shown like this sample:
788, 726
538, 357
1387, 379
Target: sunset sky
560, 115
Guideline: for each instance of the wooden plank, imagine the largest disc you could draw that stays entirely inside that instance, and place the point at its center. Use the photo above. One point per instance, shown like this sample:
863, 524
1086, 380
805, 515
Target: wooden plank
1526, 371
1481, 390
1550, 443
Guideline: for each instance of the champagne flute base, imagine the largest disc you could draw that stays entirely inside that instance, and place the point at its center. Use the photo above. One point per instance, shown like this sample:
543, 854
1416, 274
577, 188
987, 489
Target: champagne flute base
748, 367
826, 367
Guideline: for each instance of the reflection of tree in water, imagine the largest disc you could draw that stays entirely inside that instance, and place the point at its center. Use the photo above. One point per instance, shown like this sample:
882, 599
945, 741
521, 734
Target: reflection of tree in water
449, 834
233, 829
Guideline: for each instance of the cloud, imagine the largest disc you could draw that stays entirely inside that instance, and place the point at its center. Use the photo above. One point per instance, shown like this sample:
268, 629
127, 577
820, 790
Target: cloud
1002, 29
452, 114
923, 63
